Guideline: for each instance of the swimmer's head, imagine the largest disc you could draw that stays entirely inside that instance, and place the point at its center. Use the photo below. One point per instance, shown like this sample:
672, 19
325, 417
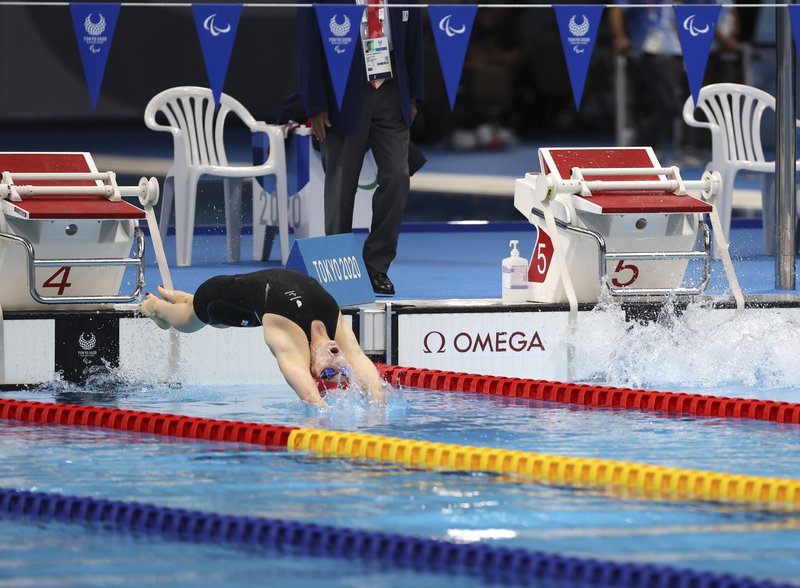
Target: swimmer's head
325, 356
328, 366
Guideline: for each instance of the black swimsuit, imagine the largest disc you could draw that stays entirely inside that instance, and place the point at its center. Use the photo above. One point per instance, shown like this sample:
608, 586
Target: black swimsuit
241, 300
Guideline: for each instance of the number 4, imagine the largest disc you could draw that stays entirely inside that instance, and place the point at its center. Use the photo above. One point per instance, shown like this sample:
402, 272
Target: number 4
63, 284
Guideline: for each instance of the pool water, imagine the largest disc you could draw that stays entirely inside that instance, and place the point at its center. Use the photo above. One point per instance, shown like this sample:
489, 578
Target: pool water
504, 510
715, 352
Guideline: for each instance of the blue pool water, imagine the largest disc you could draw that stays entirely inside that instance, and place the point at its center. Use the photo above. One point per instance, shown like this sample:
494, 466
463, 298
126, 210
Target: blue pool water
698, 351
245, 480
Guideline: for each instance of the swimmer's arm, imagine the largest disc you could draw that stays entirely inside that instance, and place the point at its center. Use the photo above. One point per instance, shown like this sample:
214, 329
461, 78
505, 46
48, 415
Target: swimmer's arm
362, 370
289, 345
366, 374
299, 378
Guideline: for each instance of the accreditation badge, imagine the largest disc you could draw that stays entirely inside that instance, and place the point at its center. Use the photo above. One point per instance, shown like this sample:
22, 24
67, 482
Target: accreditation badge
377, 59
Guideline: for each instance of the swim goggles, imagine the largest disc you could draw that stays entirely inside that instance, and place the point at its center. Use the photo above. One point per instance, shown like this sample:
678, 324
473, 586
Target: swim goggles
331, 378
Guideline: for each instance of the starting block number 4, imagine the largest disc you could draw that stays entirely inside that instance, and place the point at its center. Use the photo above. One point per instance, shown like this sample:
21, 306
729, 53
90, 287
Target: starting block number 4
63, 284
624, 274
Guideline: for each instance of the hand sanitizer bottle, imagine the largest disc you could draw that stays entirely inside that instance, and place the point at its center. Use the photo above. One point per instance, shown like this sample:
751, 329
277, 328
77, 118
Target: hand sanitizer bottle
515, 276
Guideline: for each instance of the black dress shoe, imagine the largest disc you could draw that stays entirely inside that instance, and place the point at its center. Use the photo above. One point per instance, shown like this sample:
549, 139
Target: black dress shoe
381, 284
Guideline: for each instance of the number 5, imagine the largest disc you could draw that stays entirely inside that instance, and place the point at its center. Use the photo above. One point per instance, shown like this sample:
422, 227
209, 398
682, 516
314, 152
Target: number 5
541, 259
621, 266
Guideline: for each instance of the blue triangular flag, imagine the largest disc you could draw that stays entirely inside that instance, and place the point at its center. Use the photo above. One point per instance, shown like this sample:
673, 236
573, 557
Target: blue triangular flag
216, 27
794, 17
696, 25
452, 26
578, 25
94, 28
339, 27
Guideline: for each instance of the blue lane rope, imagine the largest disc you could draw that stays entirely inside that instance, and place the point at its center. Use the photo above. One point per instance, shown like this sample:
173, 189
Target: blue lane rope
429, 555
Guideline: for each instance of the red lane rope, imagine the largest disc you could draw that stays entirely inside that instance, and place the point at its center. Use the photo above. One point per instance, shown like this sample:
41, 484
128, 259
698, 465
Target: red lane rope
145, 422
678, 403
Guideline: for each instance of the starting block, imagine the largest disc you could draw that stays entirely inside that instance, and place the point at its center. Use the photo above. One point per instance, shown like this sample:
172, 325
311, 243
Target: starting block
65, 232
616, 218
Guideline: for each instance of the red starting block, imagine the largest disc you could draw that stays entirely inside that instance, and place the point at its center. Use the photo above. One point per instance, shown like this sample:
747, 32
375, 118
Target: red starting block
65, 232
619, 218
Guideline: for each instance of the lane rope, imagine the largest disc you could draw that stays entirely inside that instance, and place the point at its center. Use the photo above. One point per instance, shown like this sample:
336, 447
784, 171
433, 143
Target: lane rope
515, 565
137, 421
673, 403
649, 481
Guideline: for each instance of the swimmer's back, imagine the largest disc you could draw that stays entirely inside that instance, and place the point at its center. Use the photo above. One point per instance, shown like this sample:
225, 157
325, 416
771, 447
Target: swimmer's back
242, 300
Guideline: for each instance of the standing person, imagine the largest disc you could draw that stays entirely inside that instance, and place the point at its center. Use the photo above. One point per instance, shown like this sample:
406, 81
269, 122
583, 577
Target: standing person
650, 40
302, 326
375, 113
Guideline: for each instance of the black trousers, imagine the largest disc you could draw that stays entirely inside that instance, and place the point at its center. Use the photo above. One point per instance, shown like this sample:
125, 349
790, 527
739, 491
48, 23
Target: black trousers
382, 129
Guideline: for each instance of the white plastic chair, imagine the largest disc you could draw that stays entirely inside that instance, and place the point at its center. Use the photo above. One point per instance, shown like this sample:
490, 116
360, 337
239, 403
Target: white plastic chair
199, 149
734, 115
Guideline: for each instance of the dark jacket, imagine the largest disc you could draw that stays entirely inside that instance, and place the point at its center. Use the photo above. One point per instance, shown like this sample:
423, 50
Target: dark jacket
316, 88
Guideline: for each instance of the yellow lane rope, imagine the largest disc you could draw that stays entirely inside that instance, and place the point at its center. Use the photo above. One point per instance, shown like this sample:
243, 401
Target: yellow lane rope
651, 481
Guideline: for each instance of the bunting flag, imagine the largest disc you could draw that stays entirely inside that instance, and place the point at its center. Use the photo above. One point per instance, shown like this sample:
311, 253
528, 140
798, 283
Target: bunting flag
794, 17
452, 26
339, 28
696, 25
216, 27
94, 28
578, 25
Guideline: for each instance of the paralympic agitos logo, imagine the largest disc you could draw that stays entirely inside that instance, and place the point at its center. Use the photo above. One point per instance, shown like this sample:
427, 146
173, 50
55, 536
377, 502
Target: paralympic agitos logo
487, 342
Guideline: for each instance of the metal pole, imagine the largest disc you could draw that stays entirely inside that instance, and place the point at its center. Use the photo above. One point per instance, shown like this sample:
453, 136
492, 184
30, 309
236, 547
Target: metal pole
388, 334
785, 156
620, 101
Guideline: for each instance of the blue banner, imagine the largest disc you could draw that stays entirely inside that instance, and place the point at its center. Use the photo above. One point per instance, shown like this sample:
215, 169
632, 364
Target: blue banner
94, 28
335, 262
339, 27
578, 25
216, 27
794, 17
696, 25
452, 26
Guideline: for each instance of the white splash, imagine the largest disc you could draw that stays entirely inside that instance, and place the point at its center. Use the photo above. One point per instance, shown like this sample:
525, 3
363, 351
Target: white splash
737, 353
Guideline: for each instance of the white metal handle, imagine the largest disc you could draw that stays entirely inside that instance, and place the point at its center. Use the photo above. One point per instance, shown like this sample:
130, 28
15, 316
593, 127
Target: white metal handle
547, 186
146, 190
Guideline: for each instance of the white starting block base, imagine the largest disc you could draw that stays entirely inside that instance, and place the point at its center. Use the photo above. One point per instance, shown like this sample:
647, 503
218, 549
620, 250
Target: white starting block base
64, 227
648, 233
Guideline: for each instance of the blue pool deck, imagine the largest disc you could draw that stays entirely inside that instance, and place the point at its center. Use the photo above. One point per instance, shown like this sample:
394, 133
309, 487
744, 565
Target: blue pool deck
444, 262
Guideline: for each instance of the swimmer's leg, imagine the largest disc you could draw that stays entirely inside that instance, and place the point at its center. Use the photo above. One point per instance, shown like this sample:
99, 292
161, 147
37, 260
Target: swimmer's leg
180, 315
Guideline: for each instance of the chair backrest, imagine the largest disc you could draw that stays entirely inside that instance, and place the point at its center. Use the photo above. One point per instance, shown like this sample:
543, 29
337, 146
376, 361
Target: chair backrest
733, 114
196, 125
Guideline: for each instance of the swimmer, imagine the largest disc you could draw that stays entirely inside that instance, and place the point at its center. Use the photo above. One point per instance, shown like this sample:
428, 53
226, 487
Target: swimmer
301, 321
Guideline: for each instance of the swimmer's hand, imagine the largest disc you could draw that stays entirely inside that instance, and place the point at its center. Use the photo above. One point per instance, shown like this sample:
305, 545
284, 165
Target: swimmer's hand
316, 403
377, 396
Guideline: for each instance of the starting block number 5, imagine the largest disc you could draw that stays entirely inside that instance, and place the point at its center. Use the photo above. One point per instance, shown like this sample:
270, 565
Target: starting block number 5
622, 266
541, 258
624, 274
62, 283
